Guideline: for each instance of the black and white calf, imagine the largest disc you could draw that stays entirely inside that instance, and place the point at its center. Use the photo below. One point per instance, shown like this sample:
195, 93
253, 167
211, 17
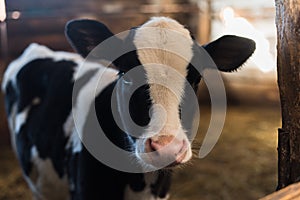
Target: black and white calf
38, 95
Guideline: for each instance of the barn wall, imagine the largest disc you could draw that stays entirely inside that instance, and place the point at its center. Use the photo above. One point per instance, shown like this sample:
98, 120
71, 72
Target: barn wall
44, 21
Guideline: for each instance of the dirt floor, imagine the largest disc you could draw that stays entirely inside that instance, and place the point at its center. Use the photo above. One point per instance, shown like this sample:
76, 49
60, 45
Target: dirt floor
243, 164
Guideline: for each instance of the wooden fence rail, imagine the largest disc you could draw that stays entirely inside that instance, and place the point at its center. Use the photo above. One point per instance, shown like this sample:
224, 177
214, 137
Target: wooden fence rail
291, 192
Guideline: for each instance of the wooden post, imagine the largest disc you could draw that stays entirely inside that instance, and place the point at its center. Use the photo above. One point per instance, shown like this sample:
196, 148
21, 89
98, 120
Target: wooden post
3, 30
3, 62
204, 23
288, 68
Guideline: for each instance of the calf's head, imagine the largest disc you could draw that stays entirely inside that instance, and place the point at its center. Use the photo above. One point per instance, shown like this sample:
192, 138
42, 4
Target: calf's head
163, 50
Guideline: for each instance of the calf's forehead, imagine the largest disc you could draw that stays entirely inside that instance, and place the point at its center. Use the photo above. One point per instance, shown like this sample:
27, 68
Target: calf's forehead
164, 48
164, 41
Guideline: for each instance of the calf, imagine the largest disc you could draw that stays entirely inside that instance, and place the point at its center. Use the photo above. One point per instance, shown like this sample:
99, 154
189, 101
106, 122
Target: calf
50, 121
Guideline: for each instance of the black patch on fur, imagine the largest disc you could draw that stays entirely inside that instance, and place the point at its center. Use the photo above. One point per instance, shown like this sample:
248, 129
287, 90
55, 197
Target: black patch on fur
97, 181
162, 185
229, 52
129, 59
23, 145
84, 35
137, 182
193, 77
72, 172
107, 121
51, 81
10, 97
139, 106
80, 82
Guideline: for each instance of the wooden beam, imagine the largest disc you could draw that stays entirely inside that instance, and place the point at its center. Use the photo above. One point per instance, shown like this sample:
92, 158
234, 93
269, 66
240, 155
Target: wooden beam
291, 192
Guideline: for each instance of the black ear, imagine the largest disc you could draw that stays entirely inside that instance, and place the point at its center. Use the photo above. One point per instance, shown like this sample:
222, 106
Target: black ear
84, 35
229, 52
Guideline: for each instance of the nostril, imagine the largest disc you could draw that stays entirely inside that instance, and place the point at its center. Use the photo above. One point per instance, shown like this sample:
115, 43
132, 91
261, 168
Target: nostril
152, 145
149, 146
166, 149
149, 143
155, 145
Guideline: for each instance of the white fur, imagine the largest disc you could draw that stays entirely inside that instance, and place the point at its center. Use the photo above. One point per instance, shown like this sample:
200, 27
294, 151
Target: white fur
44, 181
101, 79
68, 125
85, 96
21, 119
164, 48
70, 131
11, 124
32, 52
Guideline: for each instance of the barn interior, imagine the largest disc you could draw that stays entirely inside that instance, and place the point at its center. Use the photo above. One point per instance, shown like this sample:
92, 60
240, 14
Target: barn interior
243, 163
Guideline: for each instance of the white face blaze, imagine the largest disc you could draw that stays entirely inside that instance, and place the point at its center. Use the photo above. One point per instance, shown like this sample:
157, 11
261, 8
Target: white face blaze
164, 48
